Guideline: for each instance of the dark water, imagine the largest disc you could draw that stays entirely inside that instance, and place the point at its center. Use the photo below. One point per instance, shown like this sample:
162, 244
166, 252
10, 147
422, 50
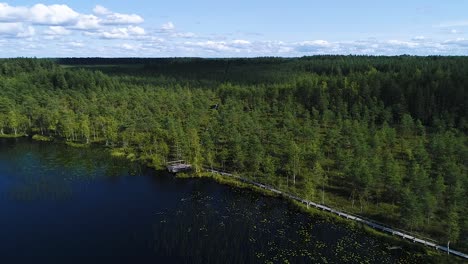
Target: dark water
68, 205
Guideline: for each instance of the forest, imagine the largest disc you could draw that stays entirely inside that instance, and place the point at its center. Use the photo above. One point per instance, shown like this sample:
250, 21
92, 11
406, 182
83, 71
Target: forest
383, 137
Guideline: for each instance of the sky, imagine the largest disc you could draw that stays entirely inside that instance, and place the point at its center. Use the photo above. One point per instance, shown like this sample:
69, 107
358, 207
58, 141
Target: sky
241, 28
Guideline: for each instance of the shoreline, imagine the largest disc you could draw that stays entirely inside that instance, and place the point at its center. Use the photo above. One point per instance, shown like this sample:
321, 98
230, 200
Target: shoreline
435, 251
116, 152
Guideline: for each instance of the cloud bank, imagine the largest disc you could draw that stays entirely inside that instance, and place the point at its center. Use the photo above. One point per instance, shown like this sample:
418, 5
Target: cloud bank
59, 30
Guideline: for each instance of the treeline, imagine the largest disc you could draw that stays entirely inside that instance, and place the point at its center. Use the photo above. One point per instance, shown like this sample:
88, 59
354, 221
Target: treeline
381, 136
428, 88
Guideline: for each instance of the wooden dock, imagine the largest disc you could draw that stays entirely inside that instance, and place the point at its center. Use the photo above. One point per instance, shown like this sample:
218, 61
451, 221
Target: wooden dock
379, 226
178, 166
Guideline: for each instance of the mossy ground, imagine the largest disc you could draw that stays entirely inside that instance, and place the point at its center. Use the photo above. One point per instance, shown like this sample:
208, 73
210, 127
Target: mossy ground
12, 135
38, 137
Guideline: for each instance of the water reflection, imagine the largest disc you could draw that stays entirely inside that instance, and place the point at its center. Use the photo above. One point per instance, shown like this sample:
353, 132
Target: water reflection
62, 204
248, 228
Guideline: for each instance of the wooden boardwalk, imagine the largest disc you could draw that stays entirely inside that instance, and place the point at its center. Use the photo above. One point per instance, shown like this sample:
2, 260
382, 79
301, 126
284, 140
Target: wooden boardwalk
178, 166
375, 225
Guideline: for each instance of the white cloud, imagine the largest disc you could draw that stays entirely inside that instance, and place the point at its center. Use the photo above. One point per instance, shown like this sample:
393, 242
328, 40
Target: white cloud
101, 11
209, 45
104, 32
236, 48
63, 15
28, 32
116, 33
233, 46
459, 23
87, 22
313, 45
169, 26
184, 35
455, 31
461, 42
418, 38
241, 42
407, 44
135, 30
127, 46
38, 14
134, 49
75, 44
240, 45
57, 30
111, 18
152, 39
151, 45
10, 28
122, 19
120, 33
52, 15
16, 30
11, 13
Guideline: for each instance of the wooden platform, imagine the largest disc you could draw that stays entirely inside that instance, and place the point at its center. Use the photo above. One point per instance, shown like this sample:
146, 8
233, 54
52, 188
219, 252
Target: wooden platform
178, 166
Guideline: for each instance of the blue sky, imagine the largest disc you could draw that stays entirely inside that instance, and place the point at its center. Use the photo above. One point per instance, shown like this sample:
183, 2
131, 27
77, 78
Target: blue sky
208, 28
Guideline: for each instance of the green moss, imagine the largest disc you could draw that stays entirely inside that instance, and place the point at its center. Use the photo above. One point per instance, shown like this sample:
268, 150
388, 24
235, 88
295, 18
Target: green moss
12, 135
77, 145
38, 137
183, 175
118, 152
131, 156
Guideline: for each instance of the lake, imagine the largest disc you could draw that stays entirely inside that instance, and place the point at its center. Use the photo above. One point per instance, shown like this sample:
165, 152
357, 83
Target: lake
61, 204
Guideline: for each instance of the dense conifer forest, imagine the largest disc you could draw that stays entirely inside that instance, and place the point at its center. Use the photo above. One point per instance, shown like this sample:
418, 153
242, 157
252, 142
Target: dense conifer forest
384, 137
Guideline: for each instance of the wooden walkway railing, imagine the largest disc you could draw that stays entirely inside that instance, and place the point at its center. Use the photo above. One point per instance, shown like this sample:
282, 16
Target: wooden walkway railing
178, 166
357, 218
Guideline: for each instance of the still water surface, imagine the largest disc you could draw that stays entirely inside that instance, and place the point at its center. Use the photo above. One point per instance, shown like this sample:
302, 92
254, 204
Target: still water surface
69, 205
